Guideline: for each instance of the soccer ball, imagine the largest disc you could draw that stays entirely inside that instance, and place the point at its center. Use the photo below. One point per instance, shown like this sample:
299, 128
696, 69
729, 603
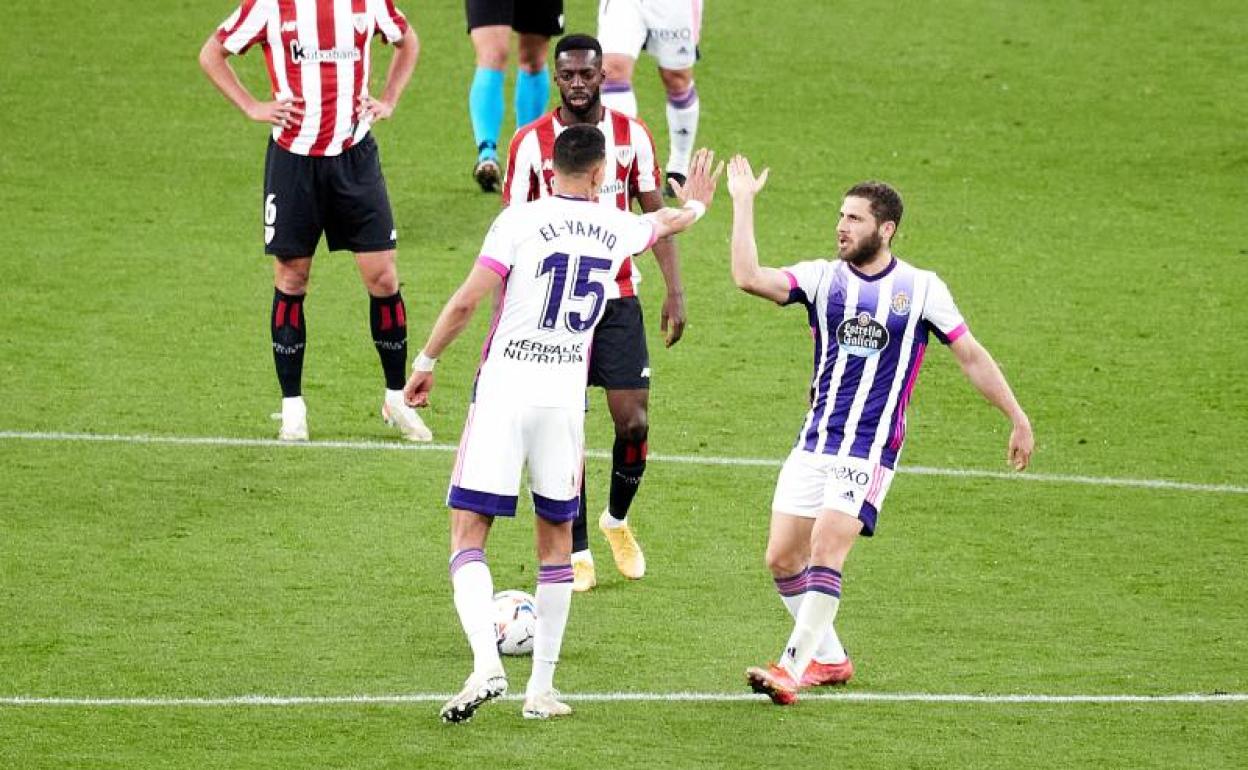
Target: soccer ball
515, 620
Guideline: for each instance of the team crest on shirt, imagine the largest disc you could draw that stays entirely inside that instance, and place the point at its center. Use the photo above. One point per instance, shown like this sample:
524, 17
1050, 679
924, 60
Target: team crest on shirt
361, 22
900, 304
624, 155
862, 335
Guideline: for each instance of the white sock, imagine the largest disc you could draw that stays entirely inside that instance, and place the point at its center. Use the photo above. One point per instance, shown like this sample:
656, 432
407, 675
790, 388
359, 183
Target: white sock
830, 649
619, 96
474, 601
554, 598
294, 408
682, 129
813, 620
582, 556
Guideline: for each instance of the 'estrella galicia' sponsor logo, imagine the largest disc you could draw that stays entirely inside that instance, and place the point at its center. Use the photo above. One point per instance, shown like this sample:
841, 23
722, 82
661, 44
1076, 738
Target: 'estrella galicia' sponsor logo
301, 55
862, 335
900, 304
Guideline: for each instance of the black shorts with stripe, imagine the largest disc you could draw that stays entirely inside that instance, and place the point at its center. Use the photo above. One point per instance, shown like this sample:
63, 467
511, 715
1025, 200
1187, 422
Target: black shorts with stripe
343, 196
620, 360
536, 17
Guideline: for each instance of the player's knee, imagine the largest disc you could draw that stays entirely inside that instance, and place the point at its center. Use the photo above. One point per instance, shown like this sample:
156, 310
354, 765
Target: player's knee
676, 82
783, 563
634, 427
617, 67
491, 55
532, 52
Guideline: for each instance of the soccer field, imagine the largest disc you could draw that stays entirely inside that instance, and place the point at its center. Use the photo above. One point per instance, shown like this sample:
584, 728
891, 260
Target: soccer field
178, 590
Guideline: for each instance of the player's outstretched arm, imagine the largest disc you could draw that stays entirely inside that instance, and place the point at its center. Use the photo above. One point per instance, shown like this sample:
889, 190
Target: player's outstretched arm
980, 368
696, 194
766, 282
451, 321
214, 61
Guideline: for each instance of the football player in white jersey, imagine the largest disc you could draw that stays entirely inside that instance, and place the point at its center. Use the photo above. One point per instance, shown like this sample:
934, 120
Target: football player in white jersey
870, 315
556, 260
669, 30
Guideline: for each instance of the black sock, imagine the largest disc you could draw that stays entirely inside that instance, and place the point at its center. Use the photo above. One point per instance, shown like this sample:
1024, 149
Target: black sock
288, 326
628, 463
388, 318
580, 529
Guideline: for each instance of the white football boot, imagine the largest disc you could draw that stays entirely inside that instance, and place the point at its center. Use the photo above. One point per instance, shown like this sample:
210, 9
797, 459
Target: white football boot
294, 417
396, 413
545, 705
479, 689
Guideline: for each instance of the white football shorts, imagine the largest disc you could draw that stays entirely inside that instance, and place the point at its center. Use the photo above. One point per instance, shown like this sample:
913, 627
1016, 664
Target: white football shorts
499, 440
668, 30
810, 483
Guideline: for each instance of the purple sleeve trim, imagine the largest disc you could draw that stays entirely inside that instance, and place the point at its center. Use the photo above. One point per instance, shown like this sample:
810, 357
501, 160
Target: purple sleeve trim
493, 264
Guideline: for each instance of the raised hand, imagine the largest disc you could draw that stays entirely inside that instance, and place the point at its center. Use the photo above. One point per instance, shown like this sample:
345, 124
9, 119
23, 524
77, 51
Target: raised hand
741, 180
701, 182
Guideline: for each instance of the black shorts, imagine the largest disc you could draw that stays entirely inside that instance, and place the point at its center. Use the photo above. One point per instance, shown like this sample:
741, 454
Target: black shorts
343, 196
620, 360
536, 17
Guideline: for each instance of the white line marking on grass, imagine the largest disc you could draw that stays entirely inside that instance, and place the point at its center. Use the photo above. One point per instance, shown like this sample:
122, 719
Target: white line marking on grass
628, 697
757, 462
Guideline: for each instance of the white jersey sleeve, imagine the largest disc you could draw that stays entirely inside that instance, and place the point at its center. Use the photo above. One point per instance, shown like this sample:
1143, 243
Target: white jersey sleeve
247, 26
804, 279
389, 20
941, 313
498, 252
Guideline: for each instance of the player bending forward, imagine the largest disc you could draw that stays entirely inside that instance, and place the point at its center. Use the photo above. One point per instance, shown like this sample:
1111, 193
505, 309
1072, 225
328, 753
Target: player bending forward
870, 315
557, 260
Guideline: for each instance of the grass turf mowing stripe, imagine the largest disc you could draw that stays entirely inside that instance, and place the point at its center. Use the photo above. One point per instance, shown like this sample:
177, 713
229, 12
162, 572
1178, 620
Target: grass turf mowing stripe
1051, 478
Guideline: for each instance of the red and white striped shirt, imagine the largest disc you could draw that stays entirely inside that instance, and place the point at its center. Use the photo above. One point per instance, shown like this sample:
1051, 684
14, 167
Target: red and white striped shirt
317, 51
631, 168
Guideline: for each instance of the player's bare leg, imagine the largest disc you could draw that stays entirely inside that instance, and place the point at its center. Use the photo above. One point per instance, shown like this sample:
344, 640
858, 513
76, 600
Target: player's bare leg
554, 598
289, 332
473, 590
617, 84
388, 321
628, 463
485, 101
532, 78
682, 123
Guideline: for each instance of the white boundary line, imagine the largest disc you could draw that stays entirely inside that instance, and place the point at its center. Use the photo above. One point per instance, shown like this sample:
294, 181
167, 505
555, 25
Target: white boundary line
1052, 478
627, 697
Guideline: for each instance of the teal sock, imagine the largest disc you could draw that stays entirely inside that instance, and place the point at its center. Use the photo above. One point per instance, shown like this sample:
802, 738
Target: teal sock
485, 106
532, 93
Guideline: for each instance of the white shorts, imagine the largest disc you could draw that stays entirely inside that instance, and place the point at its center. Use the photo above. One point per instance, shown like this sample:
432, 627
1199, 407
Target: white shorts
668, 30
499, 440
810, 483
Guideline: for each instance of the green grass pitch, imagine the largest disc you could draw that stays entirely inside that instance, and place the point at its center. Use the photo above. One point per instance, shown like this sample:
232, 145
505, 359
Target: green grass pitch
1074, 169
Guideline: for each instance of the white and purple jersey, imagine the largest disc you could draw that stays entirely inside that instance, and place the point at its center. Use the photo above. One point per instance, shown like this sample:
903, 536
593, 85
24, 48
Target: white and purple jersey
870, 333
561, 260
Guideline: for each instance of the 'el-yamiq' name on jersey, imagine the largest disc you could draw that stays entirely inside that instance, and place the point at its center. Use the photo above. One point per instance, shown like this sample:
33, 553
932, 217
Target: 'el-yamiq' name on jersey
631, 167
317, 51
560, 259
870, 333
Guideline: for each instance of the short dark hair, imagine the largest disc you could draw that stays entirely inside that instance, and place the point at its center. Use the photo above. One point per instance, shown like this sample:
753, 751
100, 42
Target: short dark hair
578, 148
885, 201
578, 43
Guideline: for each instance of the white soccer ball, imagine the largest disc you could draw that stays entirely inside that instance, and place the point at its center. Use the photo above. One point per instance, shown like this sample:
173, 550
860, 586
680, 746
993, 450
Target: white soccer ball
515, 620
